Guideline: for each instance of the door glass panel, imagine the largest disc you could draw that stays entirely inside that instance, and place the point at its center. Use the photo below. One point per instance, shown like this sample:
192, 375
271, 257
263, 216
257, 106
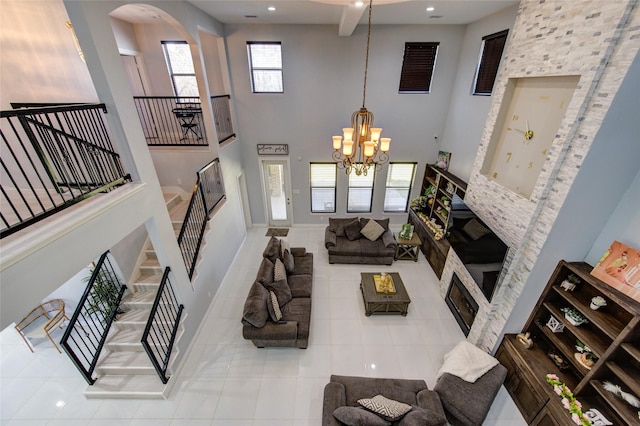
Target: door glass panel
277, 193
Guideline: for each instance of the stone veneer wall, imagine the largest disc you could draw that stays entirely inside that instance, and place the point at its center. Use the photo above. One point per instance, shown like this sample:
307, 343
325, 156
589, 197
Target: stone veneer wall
593, 39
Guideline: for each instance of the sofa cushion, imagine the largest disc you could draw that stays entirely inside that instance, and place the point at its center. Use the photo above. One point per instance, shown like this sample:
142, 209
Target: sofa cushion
375, 248
255, 307
282, 291
419, 416
372, 230
298, 310
386, 408
352, 230
304, 264
273, 307
289, 261
337, 225
475, 230
382, 222
279, 271
344, 247
272, 251
265, 272
300, 285
284, 245
403, 390
356, 416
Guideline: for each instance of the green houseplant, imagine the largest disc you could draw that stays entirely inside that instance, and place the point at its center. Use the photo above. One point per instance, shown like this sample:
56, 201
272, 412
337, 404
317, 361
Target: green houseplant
103, 298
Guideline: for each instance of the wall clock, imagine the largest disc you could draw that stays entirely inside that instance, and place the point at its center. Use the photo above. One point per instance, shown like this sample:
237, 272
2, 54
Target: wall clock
531, 112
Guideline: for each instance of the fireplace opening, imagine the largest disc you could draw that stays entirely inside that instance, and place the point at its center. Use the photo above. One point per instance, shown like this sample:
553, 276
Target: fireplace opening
461, 304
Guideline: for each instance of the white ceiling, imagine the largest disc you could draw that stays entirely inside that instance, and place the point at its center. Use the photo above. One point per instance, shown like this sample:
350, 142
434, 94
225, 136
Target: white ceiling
342, 13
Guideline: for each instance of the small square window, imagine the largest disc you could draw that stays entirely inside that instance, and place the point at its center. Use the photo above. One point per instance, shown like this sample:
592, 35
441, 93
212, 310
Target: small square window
418, 65
490, 56
265, 64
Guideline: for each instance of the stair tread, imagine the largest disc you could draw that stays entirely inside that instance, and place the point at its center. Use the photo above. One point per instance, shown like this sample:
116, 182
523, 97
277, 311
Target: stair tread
124, 359
151, 263
179, 211
123, 386
148, 279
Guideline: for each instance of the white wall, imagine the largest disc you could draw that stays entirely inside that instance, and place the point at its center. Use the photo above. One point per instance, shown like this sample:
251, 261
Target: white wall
39, 61
467, 113
125, 36
323, 80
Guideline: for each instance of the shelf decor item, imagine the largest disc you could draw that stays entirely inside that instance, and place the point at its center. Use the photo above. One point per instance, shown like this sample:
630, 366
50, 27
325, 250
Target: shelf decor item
597, 303
574, 317
597, 418
406, 233
557, 359
443, 160
568, 400
569, 284
585, 355
625, 396
620, 268
525, 340
555, 325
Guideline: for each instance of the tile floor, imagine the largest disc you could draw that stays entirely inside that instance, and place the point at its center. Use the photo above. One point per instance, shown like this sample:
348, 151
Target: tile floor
226, 381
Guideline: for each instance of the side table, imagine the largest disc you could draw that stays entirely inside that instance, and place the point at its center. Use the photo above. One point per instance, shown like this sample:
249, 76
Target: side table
408, 249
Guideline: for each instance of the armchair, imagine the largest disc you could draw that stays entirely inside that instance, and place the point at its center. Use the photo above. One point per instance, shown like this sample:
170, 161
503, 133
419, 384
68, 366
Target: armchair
41, 321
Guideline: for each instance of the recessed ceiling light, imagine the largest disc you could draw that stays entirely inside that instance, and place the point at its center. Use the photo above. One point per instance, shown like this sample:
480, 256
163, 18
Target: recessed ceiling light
359, 4
431, 9
271, 8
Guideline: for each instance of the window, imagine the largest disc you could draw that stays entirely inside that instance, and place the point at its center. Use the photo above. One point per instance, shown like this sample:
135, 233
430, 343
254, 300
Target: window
323, 187
360, 192
417, 67
265, 63
180, 65
490, 55
398, 188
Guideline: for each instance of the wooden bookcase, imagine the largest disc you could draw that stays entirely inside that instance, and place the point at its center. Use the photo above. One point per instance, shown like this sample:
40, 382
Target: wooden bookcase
444, 184
612, 332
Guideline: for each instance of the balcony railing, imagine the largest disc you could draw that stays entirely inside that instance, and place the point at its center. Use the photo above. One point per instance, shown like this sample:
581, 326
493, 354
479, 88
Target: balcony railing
51, 158
89, 326
222, 117
162, 327
171, 120
208, 192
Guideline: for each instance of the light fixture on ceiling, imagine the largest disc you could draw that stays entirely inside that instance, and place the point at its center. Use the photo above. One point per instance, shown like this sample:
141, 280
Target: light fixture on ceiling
362, 146
271, 8
430, 9
359, 4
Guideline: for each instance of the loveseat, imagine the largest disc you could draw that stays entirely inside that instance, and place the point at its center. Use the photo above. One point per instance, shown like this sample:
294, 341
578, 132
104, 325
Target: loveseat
345, 391
349, 240
277, 311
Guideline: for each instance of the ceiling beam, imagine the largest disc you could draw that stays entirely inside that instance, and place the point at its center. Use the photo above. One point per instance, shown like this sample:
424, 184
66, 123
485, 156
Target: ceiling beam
350, 17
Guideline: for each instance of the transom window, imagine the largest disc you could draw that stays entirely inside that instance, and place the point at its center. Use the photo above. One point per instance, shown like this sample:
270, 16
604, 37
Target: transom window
418, 65
323, 187
360, 193
180, 66
398, 187
265, 64
490, 55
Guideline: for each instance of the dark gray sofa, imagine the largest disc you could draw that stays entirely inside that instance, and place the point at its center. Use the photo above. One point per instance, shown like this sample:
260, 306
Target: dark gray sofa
293, 328
347, 390
359, 250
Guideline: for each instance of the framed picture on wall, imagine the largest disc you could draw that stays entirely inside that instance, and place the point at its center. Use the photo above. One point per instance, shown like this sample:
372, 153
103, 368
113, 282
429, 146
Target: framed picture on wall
620, 268
443, 160
273, 149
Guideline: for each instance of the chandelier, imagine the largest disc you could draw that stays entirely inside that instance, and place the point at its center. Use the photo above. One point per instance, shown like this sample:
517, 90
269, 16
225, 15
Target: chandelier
362, 146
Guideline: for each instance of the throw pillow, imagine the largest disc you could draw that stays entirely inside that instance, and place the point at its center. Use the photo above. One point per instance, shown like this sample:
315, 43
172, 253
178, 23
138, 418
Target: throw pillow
372, 230
255, 312
289, 263
355, 416
352, 230
475, 230
386, 408
282, 291
272, 251
274, 309
284, 246
419, 416
265, 272
382, 222
279, 271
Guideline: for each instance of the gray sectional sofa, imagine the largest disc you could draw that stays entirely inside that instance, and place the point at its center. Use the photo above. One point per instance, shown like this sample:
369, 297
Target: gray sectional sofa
293, 294
346, 244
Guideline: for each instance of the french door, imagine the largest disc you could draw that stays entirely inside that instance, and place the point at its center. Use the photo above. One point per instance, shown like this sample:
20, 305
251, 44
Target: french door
277, 191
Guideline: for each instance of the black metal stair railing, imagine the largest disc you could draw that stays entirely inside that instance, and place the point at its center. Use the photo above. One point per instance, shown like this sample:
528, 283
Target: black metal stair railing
89, 326
171, 120
208, 192
52, 158
162, 327
222, 117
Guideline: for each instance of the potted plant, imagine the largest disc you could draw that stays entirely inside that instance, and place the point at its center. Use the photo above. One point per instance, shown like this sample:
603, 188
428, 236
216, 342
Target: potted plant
597, 303
585, 355
103, 298
569, 284
573, 316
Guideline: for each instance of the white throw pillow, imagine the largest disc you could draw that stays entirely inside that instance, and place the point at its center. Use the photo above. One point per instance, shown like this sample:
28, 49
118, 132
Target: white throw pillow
372, 230
279, 271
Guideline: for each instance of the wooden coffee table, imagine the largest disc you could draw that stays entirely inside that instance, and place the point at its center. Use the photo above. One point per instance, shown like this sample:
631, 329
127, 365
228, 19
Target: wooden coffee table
384, 304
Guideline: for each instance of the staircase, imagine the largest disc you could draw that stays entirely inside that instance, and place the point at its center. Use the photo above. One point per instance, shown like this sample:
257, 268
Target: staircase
124, 370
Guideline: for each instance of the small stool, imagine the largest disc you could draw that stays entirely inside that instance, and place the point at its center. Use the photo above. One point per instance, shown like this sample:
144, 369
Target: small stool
408, 249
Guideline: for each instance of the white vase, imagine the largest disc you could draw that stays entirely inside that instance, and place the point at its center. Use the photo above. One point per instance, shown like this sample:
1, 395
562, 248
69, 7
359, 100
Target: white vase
594, 306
